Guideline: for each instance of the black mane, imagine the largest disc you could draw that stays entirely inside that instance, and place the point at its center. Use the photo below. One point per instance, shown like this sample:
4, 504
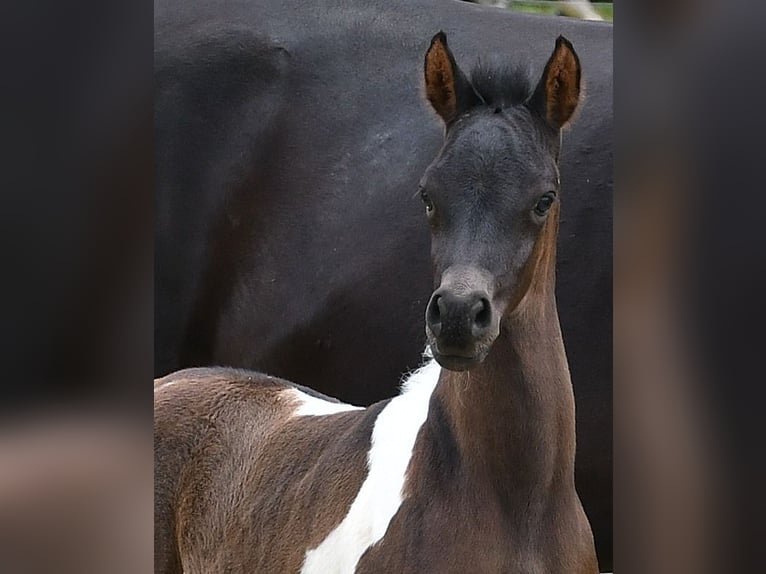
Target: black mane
502, 86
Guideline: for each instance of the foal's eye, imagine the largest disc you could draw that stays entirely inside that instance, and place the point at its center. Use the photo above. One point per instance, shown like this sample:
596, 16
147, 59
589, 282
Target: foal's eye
426, 201
545, 202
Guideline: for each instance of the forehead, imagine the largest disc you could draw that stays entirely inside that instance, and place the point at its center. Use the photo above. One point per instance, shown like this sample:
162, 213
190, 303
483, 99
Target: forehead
492, 146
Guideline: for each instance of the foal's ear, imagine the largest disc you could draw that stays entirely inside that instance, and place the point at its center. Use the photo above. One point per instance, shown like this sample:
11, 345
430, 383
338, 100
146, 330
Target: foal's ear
558, 92
447, 88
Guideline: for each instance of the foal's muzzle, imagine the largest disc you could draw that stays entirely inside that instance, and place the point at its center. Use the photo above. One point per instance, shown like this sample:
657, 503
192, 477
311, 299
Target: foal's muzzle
460, 320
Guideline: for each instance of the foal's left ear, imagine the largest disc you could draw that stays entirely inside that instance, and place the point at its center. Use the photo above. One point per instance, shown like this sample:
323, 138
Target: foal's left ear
558, 92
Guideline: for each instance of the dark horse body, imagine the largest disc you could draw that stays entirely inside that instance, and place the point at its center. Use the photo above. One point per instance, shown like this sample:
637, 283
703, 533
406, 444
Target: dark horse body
290, 140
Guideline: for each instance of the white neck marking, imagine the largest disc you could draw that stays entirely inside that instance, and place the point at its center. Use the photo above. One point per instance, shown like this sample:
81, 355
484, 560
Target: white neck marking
381, 494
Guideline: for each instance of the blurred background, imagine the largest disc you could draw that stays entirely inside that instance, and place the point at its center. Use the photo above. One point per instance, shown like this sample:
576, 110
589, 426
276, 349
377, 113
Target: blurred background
572, 8
75, 436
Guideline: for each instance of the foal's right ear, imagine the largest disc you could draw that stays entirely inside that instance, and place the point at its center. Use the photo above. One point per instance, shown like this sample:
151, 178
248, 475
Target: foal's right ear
447, 88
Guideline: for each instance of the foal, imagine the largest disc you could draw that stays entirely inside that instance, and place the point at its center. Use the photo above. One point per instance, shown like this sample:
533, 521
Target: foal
471, 468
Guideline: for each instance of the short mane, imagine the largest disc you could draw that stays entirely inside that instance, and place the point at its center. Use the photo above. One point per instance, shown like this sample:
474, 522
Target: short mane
502, 86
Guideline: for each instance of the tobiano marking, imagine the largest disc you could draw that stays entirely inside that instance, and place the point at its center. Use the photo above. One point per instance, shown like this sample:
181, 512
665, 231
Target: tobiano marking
314, 406
379, 498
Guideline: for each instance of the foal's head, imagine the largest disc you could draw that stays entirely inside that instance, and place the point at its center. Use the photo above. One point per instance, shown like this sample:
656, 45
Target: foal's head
491, 195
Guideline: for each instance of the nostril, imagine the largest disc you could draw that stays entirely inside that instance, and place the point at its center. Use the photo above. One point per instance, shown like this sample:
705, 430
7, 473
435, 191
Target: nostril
441, 306
435, 314
482, 313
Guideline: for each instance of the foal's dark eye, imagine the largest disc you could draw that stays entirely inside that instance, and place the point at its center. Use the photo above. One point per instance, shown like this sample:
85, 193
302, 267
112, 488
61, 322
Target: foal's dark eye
545, 202
426, 201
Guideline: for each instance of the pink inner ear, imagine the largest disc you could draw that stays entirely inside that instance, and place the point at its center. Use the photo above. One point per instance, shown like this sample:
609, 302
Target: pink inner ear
440, 81
562, 87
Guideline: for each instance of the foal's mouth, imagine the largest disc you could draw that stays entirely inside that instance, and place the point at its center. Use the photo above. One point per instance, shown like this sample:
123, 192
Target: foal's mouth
459, 361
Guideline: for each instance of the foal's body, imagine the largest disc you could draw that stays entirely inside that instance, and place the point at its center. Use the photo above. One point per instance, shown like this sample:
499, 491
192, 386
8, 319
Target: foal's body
488, 487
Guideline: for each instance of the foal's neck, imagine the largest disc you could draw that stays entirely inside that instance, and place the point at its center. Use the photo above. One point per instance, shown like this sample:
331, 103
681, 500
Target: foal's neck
512, 417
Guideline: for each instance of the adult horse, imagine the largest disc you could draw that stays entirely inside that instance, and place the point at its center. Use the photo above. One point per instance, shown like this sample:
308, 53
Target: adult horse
290, 138
256, 475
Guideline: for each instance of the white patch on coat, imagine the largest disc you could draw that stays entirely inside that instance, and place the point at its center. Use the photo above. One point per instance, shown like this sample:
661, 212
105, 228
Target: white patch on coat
158, 386
311, 406
379, 498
